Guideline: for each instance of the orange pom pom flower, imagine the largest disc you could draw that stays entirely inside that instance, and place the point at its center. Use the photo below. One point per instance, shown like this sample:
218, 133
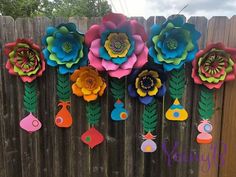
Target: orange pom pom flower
88, 83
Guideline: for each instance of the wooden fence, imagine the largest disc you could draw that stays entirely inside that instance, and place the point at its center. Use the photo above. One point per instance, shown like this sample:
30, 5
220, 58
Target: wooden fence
55, 152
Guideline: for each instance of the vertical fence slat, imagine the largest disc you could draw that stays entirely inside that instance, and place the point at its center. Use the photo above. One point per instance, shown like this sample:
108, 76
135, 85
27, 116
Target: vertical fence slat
218, 30
192, 170
227, 154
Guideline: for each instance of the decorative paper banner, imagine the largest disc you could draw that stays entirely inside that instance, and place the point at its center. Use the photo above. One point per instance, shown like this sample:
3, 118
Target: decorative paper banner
211, 68
149, 125
118, 93
176, 87
25, 60
93, 137
206, 110
63, 118
65, 49
89, 85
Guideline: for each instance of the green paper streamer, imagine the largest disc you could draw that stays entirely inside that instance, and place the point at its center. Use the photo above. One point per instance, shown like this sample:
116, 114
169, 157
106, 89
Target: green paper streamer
63, 87
150, 117
93, 112
30, 97
206, 104
118, 88
177, 83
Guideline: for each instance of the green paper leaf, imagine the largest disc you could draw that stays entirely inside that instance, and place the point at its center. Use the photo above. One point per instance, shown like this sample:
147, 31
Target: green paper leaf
93, 112
150, 117
30, 97
177, 83
117, 88
206, 103
63, 87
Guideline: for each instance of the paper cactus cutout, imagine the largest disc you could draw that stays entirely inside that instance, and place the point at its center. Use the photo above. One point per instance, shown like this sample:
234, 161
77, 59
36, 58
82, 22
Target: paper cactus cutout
30, 97
30, 123
176, 112
92, 137
93, 112
63, 87
204, 128
119, 113
148, 145
150, 117
118, 92
63, 118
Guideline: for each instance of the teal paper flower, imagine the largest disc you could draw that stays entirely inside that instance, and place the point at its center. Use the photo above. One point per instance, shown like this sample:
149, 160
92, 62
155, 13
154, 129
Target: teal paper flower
65, 48
173, 43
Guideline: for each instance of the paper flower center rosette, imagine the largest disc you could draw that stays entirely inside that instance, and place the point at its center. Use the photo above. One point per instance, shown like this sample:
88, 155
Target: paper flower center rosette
26, 60
87, 83
211, 68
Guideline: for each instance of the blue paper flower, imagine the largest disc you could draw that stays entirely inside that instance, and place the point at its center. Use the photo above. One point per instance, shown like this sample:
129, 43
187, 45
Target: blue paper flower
65, 48
147, 83
173, 43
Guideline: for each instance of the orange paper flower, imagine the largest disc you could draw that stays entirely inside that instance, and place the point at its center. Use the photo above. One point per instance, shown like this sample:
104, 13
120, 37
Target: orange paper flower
88, 83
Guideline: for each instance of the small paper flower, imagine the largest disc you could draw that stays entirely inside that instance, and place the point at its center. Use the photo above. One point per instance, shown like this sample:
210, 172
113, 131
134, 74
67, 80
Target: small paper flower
24, 59
147, 83
88, 83
64, 48
117, 45
173, 43
214, 65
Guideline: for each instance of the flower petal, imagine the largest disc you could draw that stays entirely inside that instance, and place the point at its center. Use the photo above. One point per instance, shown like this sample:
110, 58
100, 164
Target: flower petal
130, 62
116, 18
146, 100
132, 91
119, 73
95, 62
139, 44
95, 45
91, 97
138, 29
142, 59
76, 90
92, 34
109, 66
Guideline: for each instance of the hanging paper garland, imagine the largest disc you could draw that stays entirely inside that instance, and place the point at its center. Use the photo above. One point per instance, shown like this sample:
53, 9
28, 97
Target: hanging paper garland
146, 84
118, 92
89, 85
26, 61
116, 46
65, 49
149, 125
211, 68
176, 87
172, 44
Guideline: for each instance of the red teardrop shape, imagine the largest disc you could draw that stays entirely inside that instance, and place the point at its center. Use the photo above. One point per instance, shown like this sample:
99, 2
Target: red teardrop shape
92, 137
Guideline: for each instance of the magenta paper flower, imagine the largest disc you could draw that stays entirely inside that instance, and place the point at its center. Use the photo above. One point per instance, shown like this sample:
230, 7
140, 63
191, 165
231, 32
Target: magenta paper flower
117, 45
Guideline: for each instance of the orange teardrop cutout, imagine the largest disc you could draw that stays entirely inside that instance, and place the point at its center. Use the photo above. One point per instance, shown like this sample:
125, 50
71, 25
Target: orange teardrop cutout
63, 118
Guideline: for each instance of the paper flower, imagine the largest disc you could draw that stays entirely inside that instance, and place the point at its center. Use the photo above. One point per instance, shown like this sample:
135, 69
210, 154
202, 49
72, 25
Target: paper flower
117, 45
64, 48
88, 83
214, 65
24, 59
147, 83
173, 43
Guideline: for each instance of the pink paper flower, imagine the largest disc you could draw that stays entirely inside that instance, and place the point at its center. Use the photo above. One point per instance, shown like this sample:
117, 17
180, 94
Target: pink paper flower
214, 65
117, 45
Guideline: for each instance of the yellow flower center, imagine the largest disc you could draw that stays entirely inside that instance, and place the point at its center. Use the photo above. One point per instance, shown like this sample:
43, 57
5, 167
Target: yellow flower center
117, 45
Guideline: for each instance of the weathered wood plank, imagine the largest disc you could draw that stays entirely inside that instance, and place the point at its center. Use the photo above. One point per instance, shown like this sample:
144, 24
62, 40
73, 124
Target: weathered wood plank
193, 154
218, 30
227, 156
